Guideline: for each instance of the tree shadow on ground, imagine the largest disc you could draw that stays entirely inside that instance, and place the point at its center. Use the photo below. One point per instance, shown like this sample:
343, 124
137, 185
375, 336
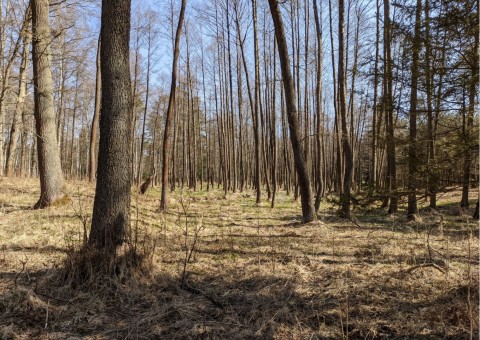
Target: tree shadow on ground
231, 305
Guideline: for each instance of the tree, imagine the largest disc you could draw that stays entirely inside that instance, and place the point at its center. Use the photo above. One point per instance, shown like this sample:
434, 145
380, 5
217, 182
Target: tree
346, 147
412, 146
92, 160
171, 108
111, 208
49, 166
318, 105
388, 106
20, 103
308, 210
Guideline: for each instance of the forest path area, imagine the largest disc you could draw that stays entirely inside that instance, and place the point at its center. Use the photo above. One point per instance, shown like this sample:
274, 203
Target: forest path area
252, 271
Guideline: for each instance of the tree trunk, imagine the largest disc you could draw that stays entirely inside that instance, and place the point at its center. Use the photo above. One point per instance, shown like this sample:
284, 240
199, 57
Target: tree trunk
412, 209
19, 105
308, 210
49, 166
318, 105
256, 133
147, 93
170, 109
373, 171
111, 208
347, 149
388, 104
467, 160
92, 160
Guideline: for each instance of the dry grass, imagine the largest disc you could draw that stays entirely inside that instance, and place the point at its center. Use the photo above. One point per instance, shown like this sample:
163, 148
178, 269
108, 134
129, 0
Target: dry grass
254, 272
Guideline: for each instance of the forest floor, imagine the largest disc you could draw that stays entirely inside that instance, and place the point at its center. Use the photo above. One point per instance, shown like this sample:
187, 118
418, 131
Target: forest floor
254, 272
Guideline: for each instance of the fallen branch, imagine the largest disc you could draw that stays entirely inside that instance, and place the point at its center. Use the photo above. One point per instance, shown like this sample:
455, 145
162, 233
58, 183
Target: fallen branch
424, 265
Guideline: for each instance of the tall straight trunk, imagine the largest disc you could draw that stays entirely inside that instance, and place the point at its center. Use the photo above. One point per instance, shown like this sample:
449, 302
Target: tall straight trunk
467, 158
431, 171
255, 110
23, 146
19, 105
111, 207
274, 127
232, 114
346, 147
306, 112
240, 118
145, 110
438, 107
388, 105
174, 150
373, 165
49, 166
412, 209
154, 151
250, 97
170, 108
61, 96
308, 210
339, 163
318, 104
74, 116
351, 99
207, 137
92, 159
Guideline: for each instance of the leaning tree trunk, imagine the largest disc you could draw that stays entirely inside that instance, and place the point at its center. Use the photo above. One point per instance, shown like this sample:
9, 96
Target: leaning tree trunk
111, 208
308, 210
49, 166
171, 107
19, 105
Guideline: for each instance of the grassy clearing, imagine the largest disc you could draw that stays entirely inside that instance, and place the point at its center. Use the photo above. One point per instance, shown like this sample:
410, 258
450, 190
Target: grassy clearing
254, 273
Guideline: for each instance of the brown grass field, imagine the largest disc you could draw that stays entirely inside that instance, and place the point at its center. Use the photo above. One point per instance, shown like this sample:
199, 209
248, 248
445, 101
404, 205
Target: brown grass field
253, 273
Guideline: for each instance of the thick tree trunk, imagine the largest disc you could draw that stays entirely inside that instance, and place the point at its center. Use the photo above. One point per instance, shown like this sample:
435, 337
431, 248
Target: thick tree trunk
308, 210
111, 208
49, 166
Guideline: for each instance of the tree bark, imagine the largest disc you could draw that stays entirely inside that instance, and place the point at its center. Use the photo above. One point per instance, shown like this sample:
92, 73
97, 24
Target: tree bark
467, 160
49, 166
19, 105
346, 147
318, 106
388, 105
308, 210
111, 208
412, 209
170, 109
256, 132
92, 159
